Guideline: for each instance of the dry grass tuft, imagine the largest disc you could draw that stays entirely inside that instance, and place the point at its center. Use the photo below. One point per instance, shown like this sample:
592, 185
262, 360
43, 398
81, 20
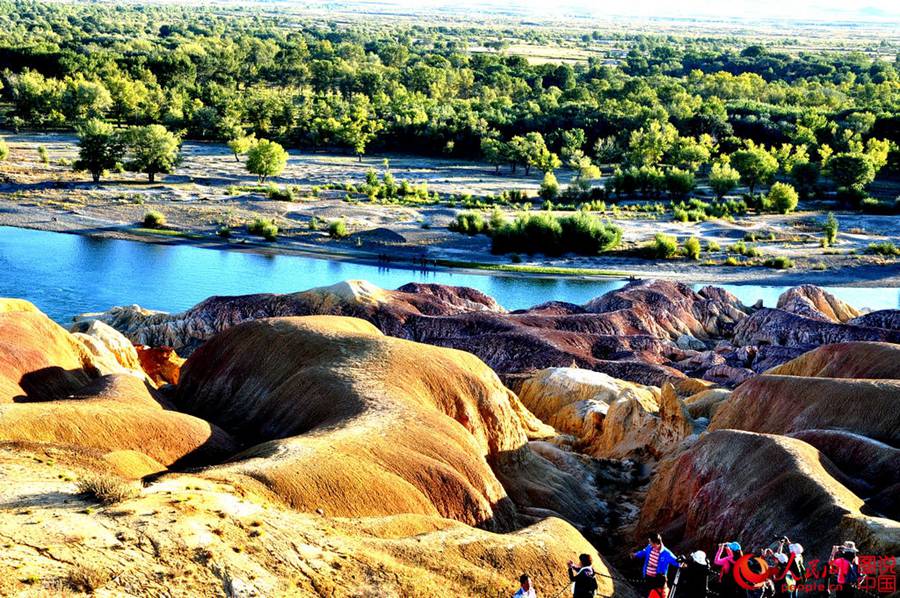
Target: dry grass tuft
107, 489
85, 578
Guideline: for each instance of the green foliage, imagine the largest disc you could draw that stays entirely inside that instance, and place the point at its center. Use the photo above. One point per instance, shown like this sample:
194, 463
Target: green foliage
756, 165
742, 248
470, 223
696, 210
662, 247
723, 179
782, 198
692, 248
223, 231
280, 193
806, 177
549, 187
154, 219
712, 246
43, 155
99, 148
779, 263
241, 145
851, 172
679, 182
152, 150
337, 229
267, 229
266, 159
830, 230
581, 233
4, 150
886, 248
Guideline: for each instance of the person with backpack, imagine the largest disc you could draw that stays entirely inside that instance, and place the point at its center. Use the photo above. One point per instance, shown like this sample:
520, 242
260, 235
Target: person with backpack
844, 563
694, 579
795, 574
657, 560
526, 588
584, 577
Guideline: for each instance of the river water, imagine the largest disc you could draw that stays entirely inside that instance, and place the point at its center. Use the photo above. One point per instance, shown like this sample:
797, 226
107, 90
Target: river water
66, 274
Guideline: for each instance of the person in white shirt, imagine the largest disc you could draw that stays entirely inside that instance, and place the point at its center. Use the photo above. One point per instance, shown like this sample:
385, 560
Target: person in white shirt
526, 590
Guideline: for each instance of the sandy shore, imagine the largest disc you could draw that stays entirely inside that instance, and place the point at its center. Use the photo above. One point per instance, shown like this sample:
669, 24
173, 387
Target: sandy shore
200, 196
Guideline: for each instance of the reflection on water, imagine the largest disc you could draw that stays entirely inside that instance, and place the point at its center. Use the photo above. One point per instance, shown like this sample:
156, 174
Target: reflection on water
69, 274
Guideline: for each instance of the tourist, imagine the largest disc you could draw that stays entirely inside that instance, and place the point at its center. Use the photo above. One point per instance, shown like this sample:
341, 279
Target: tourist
526, 589
657, 560
694, 579
584, 577
844, 563
784, 581
796, 570
726, 557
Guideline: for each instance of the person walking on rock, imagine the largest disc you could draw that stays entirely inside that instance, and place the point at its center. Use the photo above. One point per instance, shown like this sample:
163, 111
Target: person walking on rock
584, 577
657, 560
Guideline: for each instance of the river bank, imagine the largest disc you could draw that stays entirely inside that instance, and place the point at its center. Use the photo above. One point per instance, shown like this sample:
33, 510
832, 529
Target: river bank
211, 190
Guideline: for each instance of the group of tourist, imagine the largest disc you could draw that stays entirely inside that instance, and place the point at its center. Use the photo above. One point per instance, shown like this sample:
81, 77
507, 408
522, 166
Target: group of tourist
694, 574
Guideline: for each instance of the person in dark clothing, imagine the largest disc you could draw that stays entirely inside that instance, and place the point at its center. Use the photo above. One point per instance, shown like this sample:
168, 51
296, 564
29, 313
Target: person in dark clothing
584, 577
694, 579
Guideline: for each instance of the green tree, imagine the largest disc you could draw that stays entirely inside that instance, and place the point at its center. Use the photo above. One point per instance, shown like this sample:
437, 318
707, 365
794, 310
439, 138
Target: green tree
723, 179
782, 198
266, 158
805, 175
241, 145
756, 165
152, 150
648, 145
494, 151
679, 182
531, 151
99, 148
851, 171
359, 127
83, 99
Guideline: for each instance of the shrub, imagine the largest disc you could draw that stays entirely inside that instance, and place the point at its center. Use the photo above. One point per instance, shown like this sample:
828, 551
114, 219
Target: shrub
679, 182
263, 228
663, 246
883, 248
280, 194
313, 223
469, 223
154, 219
87, 578
549, 187
741, 248
779, 263
4, 150
782, 198
830, 230
224, 231
337, 229
581, 233
106, 489
712, 246
43, 155
692, 248
723, 179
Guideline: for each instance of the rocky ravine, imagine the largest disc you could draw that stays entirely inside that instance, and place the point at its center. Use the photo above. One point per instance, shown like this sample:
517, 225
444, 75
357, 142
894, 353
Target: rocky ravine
313, 445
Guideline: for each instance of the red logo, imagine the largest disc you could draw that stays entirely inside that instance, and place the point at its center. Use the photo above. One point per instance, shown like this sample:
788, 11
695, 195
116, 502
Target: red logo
750, 576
